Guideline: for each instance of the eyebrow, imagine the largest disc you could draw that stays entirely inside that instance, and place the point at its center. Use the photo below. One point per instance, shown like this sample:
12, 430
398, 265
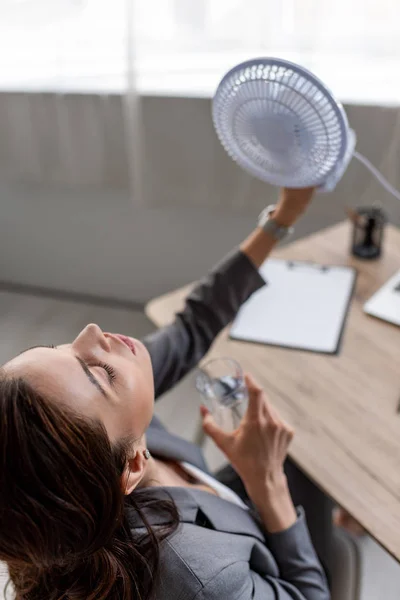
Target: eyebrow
34, 347
81, 362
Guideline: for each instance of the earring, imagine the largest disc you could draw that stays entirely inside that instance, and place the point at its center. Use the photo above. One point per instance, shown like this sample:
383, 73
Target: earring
146, 454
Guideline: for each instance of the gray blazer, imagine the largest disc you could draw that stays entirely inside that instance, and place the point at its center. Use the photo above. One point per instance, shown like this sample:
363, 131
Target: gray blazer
220, 551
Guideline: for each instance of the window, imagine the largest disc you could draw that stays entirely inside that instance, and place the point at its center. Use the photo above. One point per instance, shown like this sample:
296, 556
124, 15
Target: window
184, 47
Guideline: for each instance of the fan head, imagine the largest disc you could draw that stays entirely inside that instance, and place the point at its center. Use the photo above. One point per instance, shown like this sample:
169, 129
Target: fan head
279, 122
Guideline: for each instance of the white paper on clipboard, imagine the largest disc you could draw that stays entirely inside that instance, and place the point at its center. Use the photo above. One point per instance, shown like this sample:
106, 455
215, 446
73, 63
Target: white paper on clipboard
303, 306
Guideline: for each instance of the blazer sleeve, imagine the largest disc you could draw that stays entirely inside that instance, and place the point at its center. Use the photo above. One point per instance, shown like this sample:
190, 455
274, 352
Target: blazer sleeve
301, 576
214, 302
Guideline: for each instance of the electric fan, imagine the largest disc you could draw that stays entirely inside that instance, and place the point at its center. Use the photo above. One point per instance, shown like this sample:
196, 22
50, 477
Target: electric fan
281, 124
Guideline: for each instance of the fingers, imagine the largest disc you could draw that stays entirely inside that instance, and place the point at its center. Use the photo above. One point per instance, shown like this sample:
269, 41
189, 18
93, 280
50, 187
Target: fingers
256, 397
218, 435
252, 384
258, 402
275, 421
286, 434
259, 405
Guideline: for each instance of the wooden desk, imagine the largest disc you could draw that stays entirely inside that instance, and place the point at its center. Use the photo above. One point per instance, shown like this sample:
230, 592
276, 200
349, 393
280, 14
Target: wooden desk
342, 407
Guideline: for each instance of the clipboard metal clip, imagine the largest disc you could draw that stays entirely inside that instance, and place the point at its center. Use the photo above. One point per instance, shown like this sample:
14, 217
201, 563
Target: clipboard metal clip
307, 265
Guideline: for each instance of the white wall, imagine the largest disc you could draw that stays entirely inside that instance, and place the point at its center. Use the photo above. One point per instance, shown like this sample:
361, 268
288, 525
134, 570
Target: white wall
91, 239
95, 242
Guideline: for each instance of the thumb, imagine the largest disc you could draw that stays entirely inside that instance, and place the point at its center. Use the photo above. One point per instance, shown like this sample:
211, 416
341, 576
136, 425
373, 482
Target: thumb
218, 435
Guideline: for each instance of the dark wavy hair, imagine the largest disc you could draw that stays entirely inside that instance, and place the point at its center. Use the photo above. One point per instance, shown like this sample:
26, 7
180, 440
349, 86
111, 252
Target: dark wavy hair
64, 529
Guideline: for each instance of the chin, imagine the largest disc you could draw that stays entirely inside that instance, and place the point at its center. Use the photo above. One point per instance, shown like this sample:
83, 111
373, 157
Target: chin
141, 350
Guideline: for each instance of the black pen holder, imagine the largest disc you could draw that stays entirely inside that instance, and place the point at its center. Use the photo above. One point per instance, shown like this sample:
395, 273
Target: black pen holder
368, 230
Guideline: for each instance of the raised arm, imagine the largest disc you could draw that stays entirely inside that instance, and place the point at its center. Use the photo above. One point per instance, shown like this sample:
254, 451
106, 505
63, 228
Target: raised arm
214, 302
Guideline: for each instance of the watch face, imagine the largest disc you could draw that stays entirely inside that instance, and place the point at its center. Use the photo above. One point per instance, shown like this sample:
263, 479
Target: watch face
265, 214
266, 222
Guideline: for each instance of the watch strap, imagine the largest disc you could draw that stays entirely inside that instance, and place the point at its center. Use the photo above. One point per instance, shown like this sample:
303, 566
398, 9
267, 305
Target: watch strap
269, 225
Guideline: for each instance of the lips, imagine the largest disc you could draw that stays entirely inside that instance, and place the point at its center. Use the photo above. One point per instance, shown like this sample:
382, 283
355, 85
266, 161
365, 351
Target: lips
128, 342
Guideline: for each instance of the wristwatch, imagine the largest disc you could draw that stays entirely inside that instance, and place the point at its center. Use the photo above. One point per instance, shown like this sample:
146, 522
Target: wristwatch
267, 223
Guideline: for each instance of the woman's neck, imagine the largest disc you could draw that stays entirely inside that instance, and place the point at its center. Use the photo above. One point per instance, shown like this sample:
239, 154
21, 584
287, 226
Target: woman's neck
168, 474
151, 476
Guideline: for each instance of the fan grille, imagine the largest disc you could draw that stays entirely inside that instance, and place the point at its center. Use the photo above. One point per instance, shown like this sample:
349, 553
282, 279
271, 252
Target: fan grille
280, 123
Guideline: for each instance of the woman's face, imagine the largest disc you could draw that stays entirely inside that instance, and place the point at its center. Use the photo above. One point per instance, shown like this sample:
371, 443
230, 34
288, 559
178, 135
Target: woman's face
100, 375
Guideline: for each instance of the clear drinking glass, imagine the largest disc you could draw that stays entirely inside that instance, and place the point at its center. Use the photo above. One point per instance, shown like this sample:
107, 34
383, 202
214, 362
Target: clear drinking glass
221, 383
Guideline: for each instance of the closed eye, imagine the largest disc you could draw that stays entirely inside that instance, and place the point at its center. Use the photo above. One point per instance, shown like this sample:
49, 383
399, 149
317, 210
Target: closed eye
109, 370
111, 374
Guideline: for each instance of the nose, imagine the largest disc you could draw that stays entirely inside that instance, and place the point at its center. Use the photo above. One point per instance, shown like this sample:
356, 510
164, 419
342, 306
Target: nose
91, 339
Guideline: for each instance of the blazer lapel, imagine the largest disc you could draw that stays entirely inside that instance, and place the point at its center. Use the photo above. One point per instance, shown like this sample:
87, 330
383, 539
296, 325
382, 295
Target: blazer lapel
191, 503
164, 444
227, 516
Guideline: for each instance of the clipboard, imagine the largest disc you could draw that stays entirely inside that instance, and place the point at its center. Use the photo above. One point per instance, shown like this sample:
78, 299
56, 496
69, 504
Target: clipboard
303, 306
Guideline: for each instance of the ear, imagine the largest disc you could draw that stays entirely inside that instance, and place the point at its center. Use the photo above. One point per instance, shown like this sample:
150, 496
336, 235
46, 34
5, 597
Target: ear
133, 472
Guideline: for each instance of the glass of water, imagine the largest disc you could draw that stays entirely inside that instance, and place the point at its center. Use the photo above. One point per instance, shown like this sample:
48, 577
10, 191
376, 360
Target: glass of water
221, 383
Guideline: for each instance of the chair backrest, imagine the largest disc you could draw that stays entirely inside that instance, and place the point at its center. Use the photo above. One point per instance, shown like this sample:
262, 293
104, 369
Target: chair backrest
346, 570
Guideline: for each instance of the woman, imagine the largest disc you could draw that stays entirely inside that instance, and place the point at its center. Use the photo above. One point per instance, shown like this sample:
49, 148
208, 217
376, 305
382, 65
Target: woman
99, 501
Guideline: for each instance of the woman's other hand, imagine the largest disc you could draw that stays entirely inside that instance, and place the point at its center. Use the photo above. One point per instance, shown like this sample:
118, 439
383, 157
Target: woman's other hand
257, 450
292, 204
